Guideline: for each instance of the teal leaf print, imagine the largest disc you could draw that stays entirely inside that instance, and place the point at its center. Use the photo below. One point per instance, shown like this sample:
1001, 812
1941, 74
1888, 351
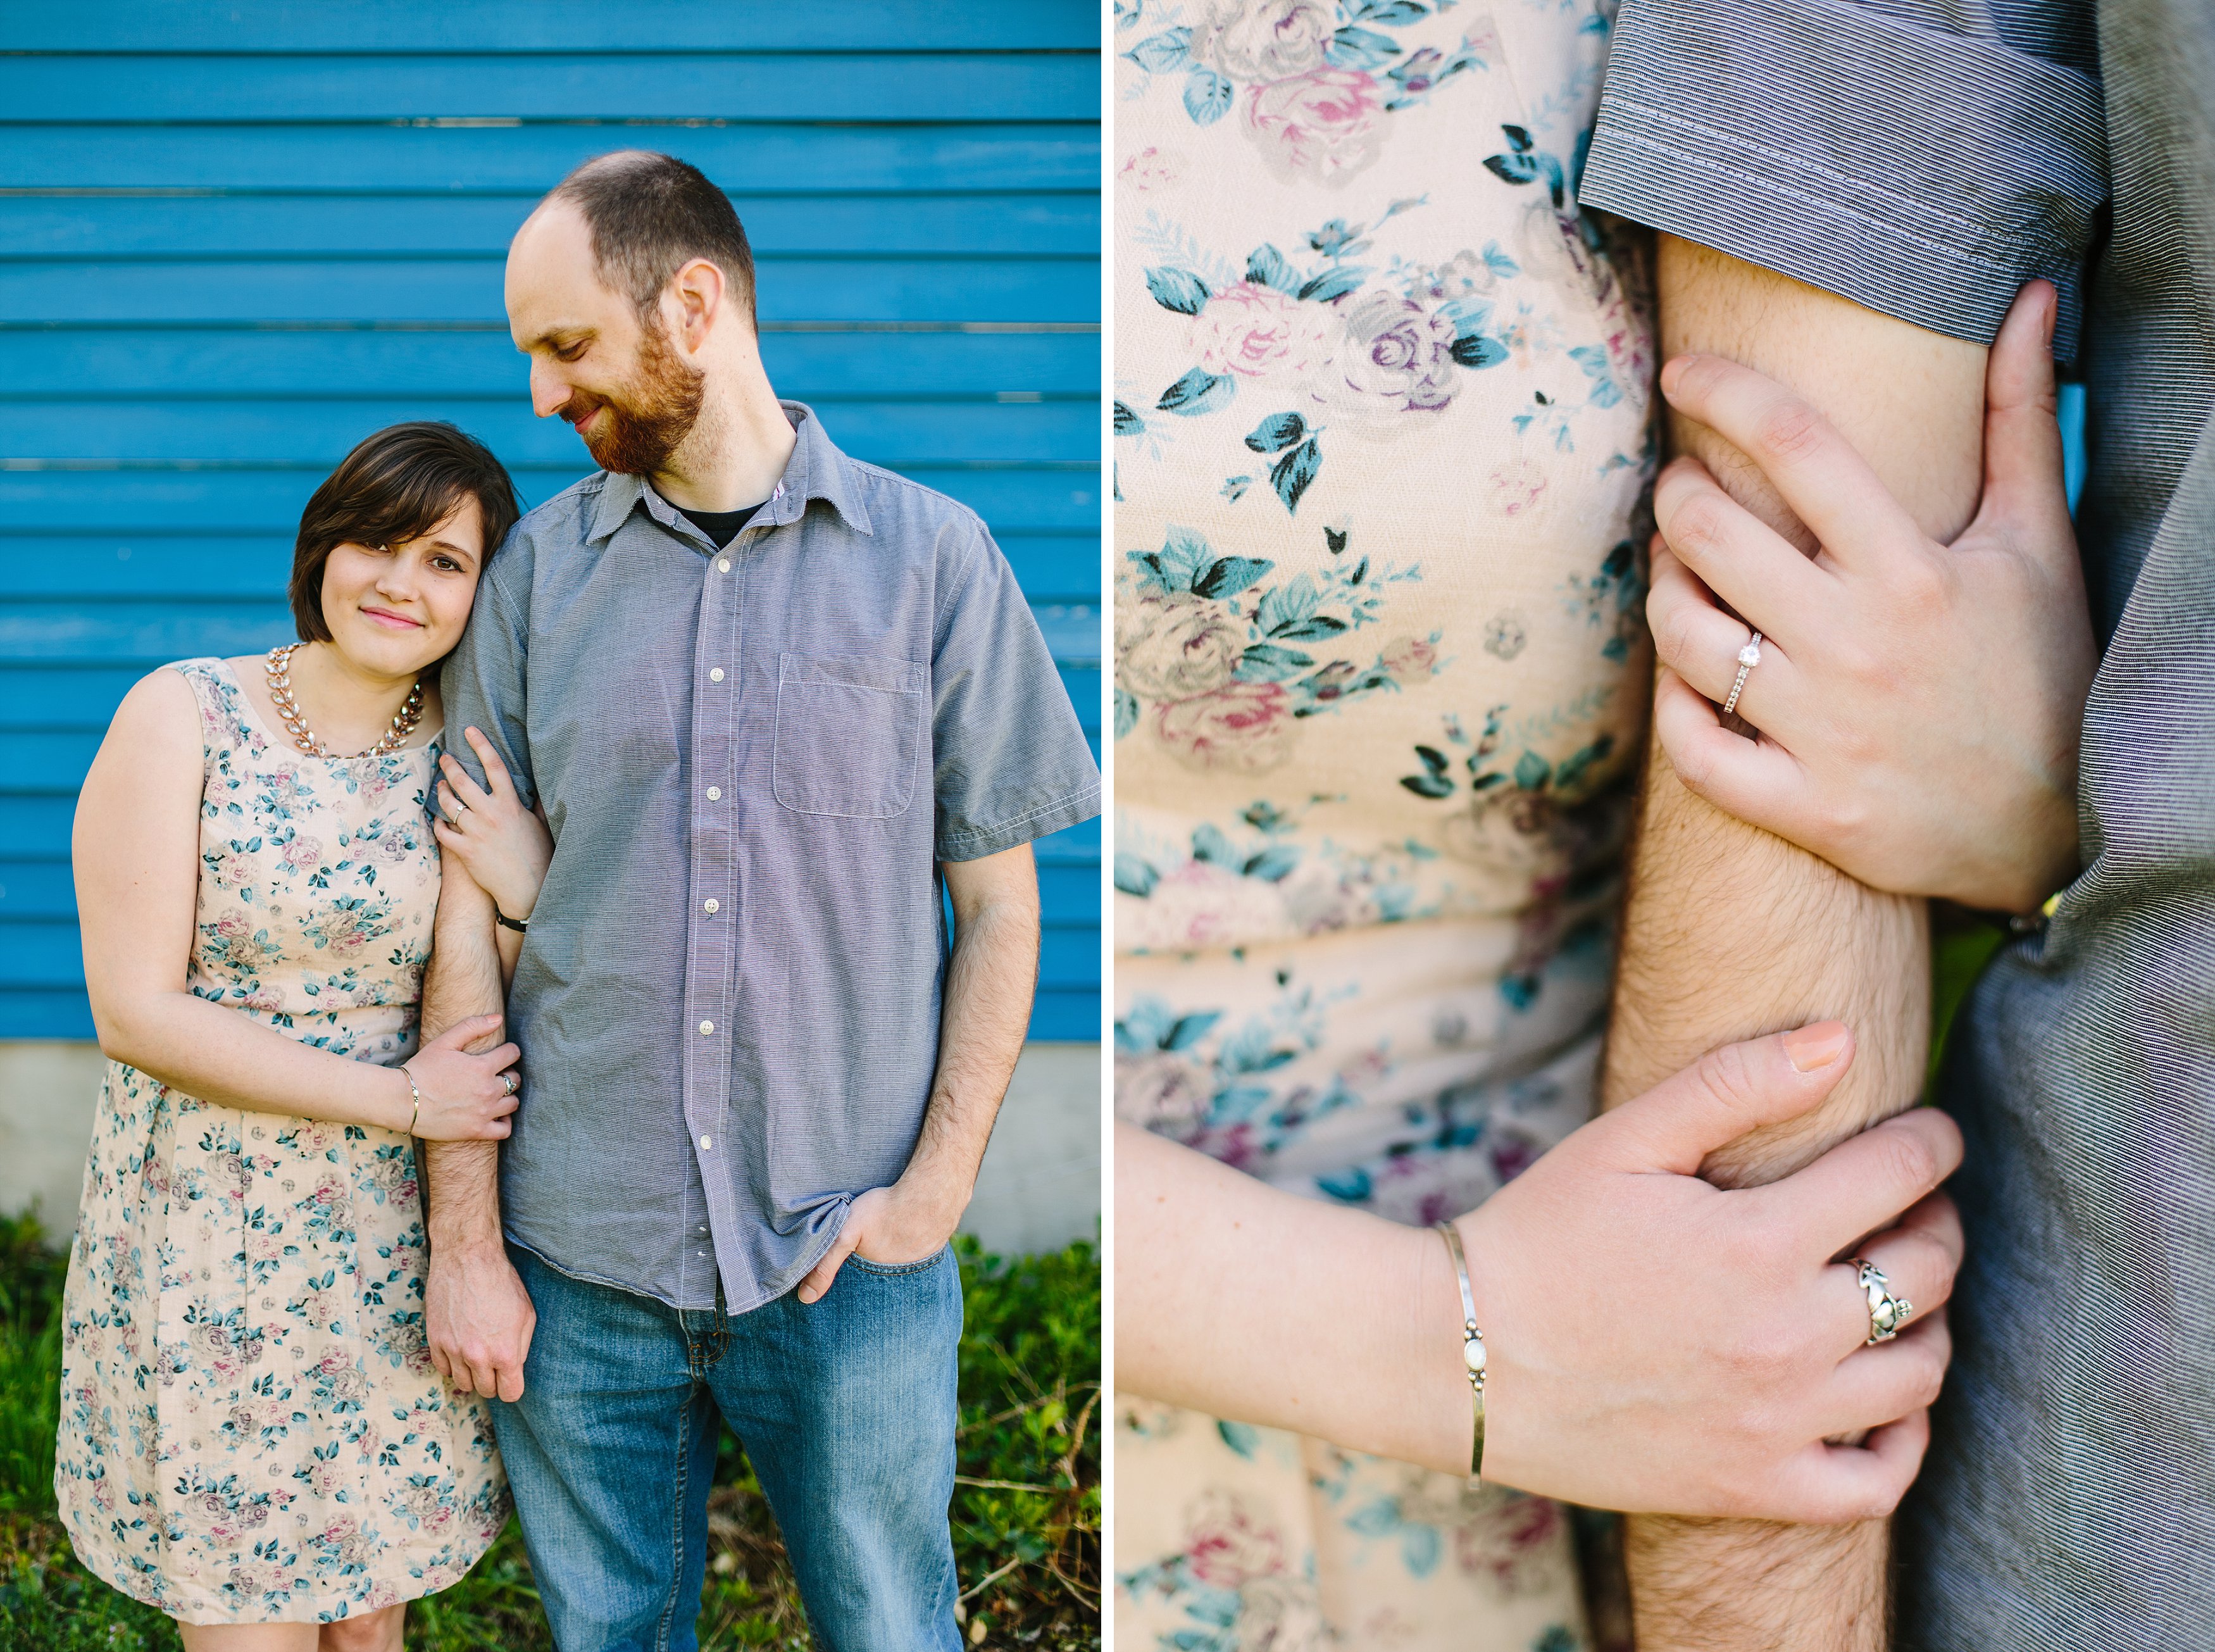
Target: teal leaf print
1571, 768
1499, 263
1333, 541
1287, 605
1160, 53
1523, 164
1190, 1029
1353, 1186
1360, 48
1265, 662
1421, 1546
1126, 712
1605, 393
1198, 392
1210, 845
1391, 13
1242, 1437
1134, 877
1229, 576
1177, 563
1206, 97
1177, 289
1234, 488
1290, 475
1128, 423
1432, 782
1475, 350
1334, 240
1277, 433
1267, 266
1273, 864
1333, 283
1532, 771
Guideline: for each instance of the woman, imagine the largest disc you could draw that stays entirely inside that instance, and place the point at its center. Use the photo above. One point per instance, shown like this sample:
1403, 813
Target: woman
253, 1438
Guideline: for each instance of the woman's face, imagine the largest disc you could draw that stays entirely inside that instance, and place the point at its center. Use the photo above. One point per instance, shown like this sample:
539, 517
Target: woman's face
393, 609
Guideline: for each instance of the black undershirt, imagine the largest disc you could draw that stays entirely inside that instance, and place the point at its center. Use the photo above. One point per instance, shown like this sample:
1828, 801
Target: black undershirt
721, 526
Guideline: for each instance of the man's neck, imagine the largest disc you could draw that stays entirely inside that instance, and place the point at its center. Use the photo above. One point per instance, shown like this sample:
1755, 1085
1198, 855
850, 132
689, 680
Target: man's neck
736, 452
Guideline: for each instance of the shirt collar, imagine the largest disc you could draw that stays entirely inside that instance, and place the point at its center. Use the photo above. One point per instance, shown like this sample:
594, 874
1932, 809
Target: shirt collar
816, 469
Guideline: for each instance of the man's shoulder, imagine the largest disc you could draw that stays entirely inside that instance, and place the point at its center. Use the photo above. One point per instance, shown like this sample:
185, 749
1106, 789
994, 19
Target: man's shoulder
563, 517
901, 509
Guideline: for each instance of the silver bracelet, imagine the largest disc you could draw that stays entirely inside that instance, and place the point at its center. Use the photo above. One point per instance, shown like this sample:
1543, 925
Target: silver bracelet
418, 1112
1472, 1347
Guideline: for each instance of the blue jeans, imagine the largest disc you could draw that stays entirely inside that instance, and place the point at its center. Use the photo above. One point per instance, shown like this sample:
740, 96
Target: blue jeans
846, 1409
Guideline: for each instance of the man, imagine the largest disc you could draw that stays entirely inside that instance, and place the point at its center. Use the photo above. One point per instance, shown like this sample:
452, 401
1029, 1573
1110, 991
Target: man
1915, 165
765, 696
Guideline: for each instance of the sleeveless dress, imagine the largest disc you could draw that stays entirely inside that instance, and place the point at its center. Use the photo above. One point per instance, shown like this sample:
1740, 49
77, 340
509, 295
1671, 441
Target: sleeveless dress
251, 1427
1383, 443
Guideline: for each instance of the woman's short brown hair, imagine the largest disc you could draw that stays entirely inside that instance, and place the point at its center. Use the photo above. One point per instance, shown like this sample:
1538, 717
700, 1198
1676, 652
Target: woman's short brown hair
396, 485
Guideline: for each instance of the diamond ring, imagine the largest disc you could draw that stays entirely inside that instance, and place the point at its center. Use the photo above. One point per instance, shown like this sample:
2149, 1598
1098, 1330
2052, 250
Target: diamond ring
1748, 658
1887, 1313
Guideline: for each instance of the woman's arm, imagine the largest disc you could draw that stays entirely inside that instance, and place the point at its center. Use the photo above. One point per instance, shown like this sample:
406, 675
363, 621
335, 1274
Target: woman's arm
1603, 1387
135, 851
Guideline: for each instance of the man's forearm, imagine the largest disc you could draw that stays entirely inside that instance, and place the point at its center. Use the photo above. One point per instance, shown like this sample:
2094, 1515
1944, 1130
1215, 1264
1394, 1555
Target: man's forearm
1730, 932
990, 982
462, 1178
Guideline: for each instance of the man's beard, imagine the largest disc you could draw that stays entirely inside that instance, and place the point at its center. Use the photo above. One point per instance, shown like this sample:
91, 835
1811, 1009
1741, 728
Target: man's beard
643, 429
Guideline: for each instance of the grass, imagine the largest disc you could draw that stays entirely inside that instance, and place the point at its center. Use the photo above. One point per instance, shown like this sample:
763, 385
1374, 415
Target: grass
1026, 1512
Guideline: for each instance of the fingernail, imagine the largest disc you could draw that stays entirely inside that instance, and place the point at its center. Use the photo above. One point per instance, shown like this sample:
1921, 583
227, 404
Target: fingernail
1815, 1047
1672, 371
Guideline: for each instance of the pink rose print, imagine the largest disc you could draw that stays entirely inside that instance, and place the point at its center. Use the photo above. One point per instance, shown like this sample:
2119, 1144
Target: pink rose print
1226, 1547
1149, 170
1243, 727
1516, 487
1324, 124
1396, 357
1263, 39
1173, 648
302, 852
1410, 656
1256, 331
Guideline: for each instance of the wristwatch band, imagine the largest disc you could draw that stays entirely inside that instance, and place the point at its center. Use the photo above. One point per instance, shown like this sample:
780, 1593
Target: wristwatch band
507, 922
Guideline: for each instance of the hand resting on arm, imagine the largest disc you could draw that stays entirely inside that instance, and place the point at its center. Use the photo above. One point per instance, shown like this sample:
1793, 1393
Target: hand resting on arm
1654, 1342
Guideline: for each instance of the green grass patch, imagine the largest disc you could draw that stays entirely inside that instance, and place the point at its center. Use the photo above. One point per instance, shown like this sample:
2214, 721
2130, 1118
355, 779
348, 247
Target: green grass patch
1026, 1512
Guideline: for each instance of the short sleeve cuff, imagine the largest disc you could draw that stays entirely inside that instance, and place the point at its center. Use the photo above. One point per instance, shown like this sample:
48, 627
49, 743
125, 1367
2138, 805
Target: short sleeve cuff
1919, 172
974, 842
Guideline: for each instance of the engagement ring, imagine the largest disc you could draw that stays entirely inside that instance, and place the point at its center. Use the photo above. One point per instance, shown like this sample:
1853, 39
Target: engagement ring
1748, 658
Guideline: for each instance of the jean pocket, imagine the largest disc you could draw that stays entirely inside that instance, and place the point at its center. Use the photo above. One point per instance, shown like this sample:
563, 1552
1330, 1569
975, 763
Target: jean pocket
848, 734
896, 1269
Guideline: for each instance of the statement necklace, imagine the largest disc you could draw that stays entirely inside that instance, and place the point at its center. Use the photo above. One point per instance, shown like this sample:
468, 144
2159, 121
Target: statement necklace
279, 668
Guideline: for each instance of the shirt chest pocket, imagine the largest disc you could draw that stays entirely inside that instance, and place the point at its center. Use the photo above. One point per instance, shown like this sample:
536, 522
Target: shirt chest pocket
849, 733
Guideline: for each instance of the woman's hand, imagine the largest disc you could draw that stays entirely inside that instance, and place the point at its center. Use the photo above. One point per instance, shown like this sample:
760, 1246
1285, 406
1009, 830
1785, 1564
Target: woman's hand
1659, 1345
465, 1097
1917, 704
502, 844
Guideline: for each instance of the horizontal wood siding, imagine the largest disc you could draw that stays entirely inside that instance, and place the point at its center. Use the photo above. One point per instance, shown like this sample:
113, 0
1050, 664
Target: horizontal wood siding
237, 238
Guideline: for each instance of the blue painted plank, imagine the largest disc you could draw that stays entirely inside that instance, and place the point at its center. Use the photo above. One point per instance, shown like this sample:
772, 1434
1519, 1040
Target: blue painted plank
34, 826
1002, 288
36, 496
666, 26
1077, 845
899, 434
1056, 568
1057, 1017
475, 160
40, 888
137, 88
813, 366
95, 227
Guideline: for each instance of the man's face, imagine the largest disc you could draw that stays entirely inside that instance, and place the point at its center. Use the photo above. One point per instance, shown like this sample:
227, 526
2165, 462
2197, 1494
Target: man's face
594, 361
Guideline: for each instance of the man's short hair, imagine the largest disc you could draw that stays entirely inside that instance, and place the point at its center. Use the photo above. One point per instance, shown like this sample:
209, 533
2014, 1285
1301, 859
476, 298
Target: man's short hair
652, 214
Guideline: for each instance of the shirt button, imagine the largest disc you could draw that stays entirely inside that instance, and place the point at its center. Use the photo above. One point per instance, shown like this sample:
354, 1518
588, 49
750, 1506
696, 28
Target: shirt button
722, 564
707, 906
716, 675
714, 793
707, 1027
705, 1144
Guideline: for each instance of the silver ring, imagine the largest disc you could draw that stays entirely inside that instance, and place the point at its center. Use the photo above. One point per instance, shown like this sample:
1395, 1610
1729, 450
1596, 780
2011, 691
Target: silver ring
1748, 658
1887, 1313
512, 1085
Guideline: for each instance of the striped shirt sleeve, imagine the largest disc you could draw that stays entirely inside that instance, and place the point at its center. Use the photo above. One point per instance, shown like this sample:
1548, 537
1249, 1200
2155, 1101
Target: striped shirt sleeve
1872, 148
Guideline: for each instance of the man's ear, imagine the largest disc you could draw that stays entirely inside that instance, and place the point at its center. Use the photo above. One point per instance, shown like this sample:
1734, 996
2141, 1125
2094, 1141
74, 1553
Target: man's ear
700, 293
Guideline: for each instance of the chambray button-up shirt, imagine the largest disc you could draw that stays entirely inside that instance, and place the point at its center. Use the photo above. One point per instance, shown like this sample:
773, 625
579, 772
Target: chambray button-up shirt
752, 760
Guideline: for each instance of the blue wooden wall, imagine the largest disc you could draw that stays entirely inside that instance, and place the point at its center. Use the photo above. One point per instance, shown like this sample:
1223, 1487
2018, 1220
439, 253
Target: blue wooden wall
235, 235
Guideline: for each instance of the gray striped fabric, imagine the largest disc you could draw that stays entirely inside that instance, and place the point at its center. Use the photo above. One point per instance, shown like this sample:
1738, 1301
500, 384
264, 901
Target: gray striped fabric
2069, 1501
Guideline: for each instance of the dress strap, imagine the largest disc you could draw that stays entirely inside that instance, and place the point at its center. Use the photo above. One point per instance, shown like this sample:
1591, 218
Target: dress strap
223, 728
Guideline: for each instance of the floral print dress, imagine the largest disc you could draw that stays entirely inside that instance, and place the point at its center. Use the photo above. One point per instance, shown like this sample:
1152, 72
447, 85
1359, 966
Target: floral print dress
251, 1427
1383, 442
